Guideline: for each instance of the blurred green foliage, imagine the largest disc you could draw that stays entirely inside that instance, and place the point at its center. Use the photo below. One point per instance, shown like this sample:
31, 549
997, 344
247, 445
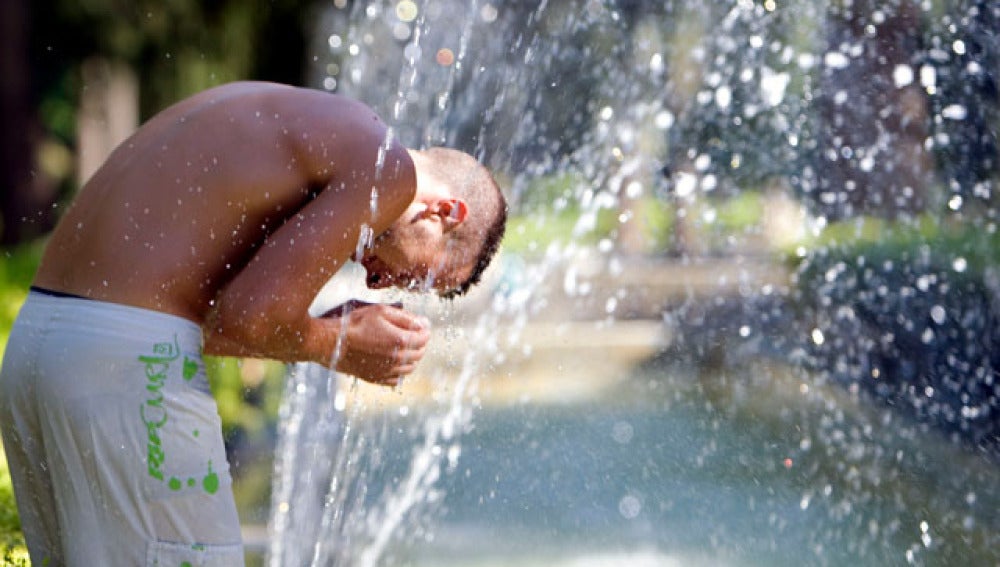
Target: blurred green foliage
881, 239
12, 548
174, 49
17, 267
248, 393
177, 47
551, 213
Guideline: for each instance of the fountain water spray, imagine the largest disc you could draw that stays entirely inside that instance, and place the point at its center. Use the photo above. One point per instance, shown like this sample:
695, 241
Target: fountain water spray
801, 193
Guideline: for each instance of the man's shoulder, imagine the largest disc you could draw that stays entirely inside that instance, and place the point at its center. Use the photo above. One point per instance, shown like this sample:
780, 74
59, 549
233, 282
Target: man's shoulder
273, 95
307, 108
291, 93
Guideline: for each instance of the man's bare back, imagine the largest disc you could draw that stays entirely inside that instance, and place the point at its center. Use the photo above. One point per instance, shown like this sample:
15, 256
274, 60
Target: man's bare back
246, 197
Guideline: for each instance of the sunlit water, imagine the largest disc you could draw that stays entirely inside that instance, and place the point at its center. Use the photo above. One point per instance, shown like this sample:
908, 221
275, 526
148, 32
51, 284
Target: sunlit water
679, 461
680, 469
845, 414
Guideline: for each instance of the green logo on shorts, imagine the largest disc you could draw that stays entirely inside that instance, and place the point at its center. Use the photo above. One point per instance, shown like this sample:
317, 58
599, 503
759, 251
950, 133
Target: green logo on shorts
154, 413
190, 368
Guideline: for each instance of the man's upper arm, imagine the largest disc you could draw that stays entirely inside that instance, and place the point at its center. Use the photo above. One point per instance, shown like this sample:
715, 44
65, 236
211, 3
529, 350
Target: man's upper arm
352, 161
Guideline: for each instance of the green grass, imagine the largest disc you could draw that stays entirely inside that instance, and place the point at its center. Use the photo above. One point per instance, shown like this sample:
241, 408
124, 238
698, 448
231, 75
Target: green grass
17, 268
12, 549
877, 238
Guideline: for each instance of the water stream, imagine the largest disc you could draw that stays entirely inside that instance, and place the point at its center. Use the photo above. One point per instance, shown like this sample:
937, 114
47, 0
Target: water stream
798, 196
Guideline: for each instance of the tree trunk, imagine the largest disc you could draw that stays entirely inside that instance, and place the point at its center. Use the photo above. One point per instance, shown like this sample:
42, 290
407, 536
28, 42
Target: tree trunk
109, 113
26, 198
875, 116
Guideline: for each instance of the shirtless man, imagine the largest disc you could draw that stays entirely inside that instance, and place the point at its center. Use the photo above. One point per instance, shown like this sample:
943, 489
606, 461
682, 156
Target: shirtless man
210, 231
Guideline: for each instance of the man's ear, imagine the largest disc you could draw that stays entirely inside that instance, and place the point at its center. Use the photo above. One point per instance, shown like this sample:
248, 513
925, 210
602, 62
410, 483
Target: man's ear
453, 212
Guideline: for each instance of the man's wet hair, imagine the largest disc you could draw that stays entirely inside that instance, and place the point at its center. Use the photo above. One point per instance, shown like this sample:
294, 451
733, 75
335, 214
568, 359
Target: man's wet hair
471, 181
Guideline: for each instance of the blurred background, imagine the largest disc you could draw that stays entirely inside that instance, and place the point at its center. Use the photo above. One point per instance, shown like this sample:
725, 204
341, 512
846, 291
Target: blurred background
747, 308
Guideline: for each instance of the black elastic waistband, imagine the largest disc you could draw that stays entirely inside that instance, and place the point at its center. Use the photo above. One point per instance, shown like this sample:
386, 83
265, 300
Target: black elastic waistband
53, 293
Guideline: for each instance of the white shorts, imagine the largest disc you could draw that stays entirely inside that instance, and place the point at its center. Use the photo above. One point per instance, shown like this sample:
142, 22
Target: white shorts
113, 438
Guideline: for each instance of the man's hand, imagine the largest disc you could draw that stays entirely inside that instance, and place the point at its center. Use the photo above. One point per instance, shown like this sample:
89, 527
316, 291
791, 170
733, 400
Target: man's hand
380, 343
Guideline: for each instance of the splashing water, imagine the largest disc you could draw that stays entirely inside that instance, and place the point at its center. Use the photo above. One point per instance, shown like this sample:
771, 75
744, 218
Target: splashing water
323, 512
797, 196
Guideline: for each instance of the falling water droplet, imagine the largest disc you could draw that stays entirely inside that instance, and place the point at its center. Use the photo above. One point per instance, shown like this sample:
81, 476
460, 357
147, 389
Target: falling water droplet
817, 336
938, 314
629, 507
